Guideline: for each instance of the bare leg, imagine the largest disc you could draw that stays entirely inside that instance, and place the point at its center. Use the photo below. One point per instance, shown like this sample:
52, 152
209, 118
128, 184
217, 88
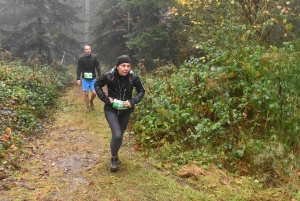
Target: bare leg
91, 101
86, 98
93, 95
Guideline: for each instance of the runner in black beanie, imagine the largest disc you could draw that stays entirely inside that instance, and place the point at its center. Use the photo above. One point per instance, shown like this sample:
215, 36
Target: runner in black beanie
119, 103
122, 59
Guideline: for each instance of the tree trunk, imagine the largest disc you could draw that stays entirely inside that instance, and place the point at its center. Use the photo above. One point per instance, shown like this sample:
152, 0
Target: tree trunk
87, 23
40, 31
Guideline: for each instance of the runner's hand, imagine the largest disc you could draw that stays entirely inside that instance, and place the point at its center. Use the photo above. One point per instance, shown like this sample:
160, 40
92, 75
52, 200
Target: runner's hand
128, 104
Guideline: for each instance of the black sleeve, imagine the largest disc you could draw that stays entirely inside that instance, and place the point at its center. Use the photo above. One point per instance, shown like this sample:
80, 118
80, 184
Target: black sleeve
101, 82
98, 67
139, 89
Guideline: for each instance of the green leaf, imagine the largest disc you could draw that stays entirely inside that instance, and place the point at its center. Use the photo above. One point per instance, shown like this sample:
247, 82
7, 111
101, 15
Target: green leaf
240, 153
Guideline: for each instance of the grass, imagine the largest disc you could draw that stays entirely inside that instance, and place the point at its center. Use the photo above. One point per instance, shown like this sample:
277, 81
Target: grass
72, 164
77, 137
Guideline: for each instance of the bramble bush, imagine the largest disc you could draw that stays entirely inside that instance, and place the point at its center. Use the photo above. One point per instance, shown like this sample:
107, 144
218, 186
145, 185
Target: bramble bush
244, 112
236, 107
28, 99
29, 94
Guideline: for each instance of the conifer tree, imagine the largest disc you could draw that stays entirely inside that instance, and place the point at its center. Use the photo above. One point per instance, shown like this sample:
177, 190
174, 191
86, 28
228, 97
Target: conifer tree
38, 27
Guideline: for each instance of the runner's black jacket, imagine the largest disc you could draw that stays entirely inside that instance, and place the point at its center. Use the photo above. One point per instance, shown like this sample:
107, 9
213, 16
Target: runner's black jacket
88, 64
119, 87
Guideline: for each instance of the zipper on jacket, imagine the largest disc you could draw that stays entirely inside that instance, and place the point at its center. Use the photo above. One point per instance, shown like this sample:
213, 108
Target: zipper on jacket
124, 95
119, 92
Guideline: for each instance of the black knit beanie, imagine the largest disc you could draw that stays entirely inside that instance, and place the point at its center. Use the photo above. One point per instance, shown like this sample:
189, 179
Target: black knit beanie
122, 59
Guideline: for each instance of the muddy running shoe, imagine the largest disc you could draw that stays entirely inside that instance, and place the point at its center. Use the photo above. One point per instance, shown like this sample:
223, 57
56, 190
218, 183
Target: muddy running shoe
113, 165
87, 109
118, 160
92, 105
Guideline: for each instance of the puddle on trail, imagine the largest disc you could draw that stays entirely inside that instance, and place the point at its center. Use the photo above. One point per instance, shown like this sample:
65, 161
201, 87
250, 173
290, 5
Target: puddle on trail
70, 153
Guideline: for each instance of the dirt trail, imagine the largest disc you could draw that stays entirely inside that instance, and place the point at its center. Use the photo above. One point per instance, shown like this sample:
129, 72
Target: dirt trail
71, 162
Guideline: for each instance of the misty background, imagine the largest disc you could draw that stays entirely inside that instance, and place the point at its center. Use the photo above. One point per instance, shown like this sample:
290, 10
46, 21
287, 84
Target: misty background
47, 29
50, 29
153, 33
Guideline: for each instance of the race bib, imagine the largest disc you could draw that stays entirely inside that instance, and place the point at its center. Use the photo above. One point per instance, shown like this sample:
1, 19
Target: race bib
88, 75
119, 105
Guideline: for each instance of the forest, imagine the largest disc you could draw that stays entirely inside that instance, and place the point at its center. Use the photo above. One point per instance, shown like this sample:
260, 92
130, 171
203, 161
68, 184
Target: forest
222, 78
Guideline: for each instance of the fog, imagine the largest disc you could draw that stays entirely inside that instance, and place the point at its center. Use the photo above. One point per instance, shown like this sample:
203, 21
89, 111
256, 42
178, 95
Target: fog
29, 28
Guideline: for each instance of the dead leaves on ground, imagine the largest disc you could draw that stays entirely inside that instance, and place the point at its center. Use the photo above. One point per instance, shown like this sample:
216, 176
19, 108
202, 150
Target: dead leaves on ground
191, 170
195, 171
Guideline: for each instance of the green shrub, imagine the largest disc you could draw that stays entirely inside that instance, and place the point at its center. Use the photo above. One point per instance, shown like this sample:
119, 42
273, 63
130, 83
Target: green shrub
28, 99
29, 96
218, 109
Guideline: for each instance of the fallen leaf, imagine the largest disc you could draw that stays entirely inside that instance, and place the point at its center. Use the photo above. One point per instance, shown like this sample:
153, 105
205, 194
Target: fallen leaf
37, 195
5, 136
90, 183
14, 184
191, 170
7, 131
34, 149
224, 181
136, 147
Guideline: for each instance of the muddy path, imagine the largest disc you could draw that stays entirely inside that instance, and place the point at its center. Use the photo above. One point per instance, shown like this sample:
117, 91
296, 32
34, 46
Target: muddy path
71, 162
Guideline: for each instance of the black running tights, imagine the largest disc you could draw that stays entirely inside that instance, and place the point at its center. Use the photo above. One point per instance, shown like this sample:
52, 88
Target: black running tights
117, 124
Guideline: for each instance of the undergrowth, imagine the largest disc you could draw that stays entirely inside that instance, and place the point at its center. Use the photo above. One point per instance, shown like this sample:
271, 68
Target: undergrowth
242, 116
29, 94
